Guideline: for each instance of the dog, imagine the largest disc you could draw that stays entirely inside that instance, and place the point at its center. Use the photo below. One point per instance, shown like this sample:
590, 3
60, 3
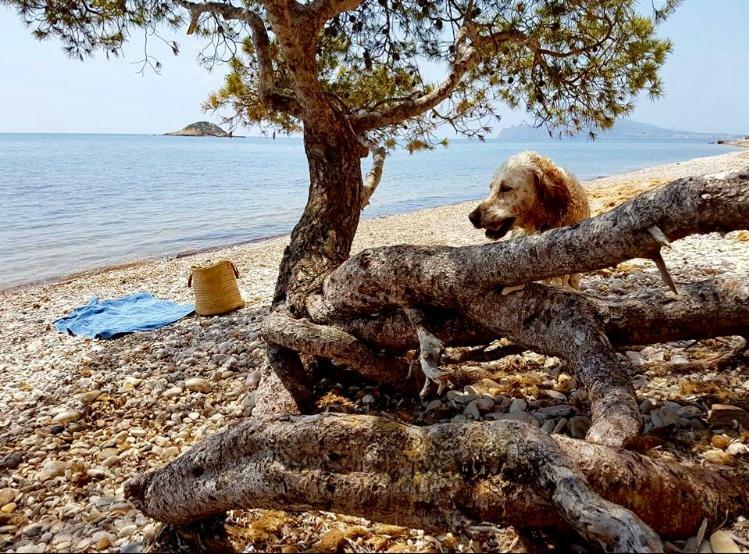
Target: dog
529, 194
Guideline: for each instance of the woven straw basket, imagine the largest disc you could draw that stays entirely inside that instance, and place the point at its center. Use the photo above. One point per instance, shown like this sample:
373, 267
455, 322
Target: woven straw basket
215, 287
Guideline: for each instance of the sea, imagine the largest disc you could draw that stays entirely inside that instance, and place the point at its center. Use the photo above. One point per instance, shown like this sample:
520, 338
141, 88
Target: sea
74, 202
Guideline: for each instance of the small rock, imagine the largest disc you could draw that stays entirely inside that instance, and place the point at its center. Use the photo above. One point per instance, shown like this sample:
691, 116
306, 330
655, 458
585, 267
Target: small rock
8, 508
52, 470
716, 456
724, 415
7, 495
132, 548
690, 411
664, 417
737, 449
485, 403
101, 540
720, 441
172, 392
720, 541
11, 461
170, 452
111, 461
89, 397
368, 399
548, 426
578, 426
646, 406
561, 424
460, 418
253, 379
198, 384
67, 416
435, 404
31, 548
560, 410
525, 417
32, 530
518, 405
471, 410
555, 395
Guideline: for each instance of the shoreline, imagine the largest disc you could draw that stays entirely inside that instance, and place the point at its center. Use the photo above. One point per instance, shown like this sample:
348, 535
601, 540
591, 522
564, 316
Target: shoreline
593, 186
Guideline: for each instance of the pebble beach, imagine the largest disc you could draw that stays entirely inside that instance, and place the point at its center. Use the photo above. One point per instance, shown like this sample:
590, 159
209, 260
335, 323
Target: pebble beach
79, 417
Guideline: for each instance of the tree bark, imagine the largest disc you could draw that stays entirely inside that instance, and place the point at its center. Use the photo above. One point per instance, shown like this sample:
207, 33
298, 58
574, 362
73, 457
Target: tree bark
320, 241
440, 477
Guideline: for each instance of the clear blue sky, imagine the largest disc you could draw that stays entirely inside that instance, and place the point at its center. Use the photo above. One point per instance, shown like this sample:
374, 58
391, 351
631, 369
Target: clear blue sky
706, 80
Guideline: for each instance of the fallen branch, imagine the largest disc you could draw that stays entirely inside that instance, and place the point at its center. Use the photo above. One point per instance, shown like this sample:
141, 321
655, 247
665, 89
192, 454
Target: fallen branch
439, 478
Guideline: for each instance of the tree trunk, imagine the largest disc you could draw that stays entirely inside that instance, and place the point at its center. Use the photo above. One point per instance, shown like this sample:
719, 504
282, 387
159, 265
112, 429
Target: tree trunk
320, 242
439, 478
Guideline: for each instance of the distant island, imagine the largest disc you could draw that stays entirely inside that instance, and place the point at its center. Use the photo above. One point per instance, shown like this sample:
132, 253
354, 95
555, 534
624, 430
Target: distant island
623, 129
200, 129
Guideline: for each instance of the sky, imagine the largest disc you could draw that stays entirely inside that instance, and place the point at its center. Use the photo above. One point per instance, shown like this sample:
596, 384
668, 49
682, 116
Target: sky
706, 80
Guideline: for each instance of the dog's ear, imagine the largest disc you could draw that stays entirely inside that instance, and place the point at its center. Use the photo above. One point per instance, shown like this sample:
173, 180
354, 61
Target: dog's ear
551, 188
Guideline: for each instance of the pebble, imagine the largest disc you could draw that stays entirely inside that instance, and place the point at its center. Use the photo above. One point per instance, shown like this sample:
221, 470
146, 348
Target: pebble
101, 540
52, 470
368, 399
737, 449
253, 379
484, 403
548, 426
555, 395
67, 416
664, 417
717, 456
720, 441
578, 426
471, 410
198, 384
518, 405
560, 410
172, 392
8, 508
720, 541
646, 406
434, 405
7, 495
89, 397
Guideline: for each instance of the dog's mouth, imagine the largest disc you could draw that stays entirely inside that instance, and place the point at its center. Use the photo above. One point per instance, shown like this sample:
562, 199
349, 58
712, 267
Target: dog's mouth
497, 230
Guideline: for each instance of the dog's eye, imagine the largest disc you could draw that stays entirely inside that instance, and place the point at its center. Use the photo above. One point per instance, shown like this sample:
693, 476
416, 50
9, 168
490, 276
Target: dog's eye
504, 188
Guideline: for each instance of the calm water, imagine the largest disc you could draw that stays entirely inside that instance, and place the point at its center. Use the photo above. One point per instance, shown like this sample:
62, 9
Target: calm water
73, 202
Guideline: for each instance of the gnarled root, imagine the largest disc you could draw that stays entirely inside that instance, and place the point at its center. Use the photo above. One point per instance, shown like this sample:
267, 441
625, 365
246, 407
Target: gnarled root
439, 477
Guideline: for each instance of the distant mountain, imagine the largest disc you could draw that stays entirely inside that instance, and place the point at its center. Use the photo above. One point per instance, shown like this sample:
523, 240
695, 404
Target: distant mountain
200, 129
623, 129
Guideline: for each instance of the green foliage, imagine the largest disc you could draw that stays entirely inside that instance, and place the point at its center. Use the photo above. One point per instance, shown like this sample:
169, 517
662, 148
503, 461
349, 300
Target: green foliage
576, 65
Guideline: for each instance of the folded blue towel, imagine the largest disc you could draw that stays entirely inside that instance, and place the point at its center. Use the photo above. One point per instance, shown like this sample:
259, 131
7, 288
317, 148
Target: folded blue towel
110, 318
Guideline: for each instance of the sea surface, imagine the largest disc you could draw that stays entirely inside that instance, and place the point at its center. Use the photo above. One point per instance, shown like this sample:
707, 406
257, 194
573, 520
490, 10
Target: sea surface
72, 202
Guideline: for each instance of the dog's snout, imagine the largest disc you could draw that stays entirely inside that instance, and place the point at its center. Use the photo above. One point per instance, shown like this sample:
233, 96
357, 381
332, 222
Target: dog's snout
475, 218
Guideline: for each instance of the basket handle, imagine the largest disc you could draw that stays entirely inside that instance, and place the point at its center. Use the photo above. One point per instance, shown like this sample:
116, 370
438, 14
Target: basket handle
233, 267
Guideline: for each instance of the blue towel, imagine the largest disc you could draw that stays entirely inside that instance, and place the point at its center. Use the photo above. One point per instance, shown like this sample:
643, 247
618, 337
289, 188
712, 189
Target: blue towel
107, 319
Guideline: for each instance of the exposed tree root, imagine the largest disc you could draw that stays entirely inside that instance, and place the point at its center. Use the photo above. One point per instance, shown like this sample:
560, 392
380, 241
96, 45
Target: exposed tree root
369, 303
439, 478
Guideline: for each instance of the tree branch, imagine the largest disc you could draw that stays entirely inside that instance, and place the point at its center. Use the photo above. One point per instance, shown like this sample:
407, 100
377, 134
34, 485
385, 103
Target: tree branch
372, 180
439, 478
266, 75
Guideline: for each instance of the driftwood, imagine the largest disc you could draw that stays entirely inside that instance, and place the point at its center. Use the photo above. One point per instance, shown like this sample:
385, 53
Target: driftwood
440, 477
386, 300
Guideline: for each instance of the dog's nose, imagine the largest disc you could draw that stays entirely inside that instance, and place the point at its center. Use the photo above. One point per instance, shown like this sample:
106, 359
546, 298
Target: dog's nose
475, 218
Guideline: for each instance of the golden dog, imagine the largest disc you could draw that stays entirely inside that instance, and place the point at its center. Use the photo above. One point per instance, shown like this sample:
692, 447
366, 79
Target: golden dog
530, 194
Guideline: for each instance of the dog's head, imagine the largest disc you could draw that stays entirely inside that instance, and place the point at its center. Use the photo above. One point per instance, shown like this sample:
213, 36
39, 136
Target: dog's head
527, 191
